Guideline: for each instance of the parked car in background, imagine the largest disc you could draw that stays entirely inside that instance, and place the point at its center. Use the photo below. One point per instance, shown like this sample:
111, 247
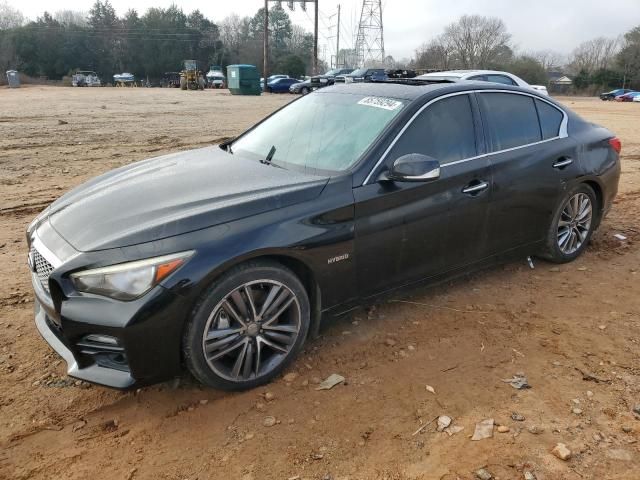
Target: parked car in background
271, 79
215, 79
86, 79
504, 78
326, 80
400, 73
225, 259
301, 87
614, 93
636, 99
281, 85
627, 97
363, 75
170, 80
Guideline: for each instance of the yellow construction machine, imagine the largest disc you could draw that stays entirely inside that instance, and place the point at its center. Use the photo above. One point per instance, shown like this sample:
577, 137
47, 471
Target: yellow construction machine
191, 76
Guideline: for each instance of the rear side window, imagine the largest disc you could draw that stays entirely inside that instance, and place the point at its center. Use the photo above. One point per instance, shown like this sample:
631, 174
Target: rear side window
550, 119
512, 118
500, 79
444, 131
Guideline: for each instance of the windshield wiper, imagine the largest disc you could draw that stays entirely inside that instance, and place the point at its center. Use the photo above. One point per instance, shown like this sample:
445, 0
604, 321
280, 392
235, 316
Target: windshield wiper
272, 152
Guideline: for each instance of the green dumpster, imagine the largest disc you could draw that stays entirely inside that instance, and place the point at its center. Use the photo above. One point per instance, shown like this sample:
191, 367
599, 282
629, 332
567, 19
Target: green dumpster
243, 80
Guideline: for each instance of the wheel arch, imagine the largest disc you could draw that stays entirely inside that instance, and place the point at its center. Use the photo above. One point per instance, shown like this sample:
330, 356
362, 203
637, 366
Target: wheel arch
300, 268
597, 189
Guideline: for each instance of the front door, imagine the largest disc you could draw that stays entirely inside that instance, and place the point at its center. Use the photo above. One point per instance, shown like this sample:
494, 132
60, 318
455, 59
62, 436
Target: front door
408, 231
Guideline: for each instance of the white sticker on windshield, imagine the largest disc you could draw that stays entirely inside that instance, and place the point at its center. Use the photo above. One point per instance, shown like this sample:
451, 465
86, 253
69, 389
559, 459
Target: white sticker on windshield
380, 102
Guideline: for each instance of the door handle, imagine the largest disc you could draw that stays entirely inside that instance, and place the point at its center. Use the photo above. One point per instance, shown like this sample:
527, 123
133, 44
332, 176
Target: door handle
563, 162
475, 187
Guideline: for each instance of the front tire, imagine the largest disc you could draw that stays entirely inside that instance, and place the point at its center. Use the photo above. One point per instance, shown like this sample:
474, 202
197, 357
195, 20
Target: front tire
572, 226
247, 327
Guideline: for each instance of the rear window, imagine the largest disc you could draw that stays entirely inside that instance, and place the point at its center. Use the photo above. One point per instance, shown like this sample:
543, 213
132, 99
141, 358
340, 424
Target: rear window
512, 118
444, 131
550, 119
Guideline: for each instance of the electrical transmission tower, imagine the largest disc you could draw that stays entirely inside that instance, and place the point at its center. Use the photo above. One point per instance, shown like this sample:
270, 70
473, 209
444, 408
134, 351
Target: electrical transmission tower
370, 37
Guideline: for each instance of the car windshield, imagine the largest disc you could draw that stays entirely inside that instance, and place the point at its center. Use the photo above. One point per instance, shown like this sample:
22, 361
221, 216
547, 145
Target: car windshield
359, 72
320, 133
335, 71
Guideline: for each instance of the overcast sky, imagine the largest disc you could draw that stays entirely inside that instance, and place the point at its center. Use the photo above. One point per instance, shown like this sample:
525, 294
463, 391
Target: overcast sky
535, 25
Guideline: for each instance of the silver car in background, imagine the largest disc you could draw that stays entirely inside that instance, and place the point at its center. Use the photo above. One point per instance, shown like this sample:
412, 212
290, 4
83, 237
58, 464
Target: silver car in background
494, 76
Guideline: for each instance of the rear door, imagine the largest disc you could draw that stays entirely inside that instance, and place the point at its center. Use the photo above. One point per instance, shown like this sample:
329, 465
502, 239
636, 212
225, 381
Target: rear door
532, 158
406, 231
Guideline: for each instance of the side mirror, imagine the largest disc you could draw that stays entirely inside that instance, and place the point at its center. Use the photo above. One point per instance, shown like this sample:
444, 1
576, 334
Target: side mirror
414, 167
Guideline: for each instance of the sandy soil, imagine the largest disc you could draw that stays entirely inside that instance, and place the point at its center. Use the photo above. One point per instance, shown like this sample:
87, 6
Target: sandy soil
462, 338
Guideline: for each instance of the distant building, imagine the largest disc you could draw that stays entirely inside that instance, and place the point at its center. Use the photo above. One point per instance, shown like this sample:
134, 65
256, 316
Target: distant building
561, 84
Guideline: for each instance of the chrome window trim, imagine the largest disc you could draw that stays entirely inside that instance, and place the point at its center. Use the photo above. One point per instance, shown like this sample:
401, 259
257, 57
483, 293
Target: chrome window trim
562, 133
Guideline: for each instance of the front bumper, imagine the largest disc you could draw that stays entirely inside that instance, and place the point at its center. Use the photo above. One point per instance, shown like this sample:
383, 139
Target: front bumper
92, 373
148, 333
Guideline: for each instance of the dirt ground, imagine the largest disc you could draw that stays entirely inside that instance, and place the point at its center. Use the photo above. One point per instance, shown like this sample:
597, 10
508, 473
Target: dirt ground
574, 330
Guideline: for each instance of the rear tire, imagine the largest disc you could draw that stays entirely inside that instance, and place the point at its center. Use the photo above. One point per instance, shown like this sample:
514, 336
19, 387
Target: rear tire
247, 326
304, 90
572, 226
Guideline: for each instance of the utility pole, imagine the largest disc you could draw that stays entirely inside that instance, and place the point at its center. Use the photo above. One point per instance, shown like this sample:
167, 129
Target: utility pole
338, 41
315, 41
265, 67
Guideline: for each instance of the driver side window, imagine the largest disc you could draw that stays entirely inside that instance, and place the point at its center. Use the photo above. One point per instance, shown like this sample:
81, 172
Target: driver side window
444, 130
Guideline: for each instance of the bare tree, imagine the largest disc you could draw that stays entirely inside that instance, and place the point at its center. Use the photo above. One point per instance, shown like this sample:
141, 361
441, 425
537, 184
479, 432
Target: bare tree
436, 54
629, 58
477, 41
231, 32
598, 53
549, 59
71, 18
299, 41
10, 17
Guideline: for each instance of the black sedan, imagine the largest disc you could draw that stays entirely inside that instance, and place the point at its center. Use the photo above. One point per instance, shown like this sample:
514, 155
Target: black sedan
614, 93
224, 260
301, 87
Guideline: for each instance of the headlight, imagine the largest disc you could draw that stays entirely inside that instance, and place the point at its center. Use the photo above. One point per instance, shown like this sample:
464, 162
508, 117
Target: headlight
128, 281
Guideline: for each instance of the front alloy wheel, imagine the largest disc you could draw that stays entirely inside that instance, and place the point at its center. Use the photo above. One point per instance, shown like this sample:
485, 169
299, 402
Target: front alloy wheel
247, 327
251, 330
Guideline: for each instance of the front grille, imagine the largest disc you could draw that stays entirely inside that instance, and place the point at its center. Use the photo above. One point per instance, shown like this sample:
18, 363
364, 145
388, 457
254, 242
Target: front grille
43, 268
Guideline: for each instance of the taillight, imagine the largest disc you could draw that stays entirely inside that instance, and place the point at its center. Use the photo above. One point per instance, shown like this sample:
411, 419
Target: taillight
616, 144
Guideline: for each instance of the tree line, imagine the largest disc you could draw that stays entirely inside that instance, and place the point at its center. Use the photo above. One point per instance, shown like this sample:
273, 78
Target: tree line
475, 42
55, 45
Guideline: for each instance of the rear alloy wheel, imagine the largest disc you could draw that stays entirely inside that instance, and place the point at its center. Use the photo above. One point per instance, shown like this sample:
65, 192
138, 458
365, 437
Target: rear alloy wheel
575, 223
251, 324
572, 226
304, 90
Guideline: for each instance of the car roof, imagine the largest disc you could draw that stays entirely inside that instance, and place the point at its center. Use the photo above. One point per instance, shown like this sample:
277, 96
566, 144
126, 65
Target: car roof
411, 91
461, 73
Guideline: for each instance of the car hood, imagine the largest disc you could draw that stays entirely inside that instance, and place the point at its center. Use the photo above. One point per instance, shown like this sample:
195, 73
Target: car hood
174, 194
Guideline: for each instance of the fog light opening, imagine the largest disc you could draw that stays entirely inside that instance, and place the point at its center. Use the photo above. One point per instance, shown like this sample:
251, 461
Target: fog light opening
98, 338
